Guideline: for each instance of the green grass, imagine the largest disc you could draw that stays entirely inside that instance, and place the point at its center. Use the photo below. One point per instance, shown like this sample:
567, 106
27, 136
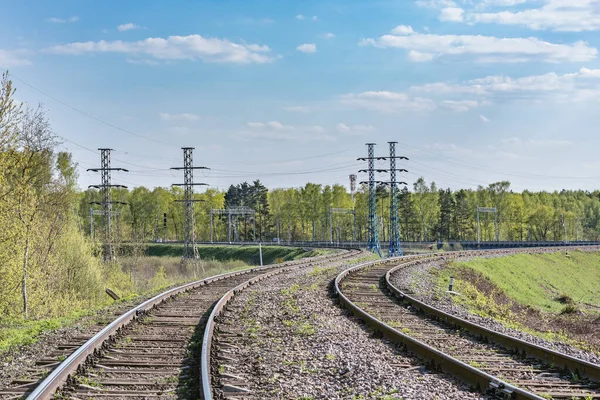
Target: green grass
247, 254
16, 332
540, 280
19, 332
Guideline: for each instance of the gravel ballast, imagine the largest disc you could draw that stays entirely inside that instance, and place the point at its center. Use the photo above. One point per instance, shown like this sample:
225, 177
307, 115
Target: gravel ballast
420, 280
295, 342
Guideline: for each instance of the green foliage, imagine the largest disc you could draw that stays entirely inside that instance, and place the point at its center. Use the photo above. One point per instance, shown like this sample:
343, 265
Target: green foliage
538, 280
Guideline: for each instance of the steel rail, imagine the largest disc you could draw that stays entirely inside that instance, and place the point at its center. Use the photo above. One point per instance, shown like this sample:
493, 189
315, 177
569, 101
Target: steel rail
526, 349
481, 380
210, 327
60, 375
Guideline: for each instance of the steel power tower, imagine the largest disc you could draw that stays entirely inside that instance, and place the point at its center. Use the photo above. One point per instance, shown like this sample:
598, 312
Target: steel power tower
373, 239
190, 251
394, 249
108, 251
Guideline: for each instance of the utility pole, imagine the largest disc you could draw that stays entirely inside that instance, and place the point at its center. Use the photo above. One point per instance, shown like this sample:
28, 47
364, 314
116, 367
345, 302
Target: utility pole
190, 251
108, 251
331, 224
373, 230
395, 249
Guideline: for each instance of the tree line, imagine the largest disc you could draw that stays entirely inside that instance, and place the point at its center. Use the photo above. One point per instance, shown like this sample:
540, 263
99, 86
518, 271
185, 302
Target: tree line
426, 213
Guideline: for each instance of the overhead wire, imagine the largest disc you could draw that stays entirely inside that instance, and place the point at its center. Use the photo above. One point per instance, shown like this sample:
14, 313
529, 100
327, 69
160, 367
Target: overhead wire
89, 115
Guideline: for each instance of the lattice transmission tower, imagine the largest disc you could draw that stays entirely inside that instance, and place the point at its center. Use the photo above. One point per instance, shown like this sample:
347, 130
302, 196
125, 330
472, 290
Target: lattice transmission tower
190, 251
373, 230
108, 251
394, 249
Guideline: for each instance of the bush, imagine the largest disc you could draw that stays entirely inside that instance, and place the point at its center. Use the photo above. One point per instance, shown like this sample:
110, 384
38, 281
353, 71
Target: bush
570, 309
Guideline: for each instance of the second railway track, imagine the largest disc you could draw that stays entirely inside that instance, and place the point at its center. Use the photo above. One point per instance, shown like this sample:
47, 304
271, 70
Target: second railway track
151, 351
494, 363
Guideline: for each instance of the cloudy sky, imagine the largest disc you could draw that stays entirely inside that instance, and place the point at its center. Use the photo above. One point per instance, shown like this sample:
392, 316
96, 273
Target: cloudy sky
289, 92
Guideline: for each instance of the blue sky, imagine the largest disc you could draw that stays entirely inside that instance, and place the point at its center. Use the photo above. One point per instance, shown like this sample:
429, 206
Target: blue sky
289, 92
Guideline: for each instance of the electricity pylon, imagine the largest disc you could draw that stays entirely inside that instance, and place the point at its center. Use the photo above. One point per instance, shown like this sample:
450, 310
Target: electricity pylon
108, 251
190, 251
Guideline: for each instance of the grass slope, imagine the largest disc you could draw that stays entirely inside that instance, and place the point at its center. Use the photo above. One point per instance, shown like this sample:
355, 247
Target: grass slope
247, 254
538, 280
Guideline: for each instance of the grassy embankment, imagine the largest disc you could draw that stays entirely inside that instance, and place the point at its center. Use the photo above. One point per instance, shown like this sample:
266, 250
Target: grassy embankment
247, 254
546, 294
134, 278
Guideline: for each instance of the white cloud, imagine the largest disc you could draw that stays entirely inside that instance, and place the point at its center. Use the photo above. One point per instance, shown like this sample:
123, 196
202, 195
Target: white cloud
300, 109
271, 125
459, 105
276, 130
557, 15
300, 17
307, 48
13, 58
127, 27
417, 56
190, 47
483, 48
268, 135
178, 117
483, 118
436, 3
314, 18
355, 129
388, 102
580, 86
453, 14
328, 35
55, 20
403, 30
502, 3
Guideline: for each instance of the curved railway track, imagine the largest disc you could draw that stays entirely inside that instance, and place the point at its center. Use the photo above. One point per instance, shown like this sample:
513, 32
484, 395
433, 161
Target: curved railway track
151, 350
218, 357
492, 362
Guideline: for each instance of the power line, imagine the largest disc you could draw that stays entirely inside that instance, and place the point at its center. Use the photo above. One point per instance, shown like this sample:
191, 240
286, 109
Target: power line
89, 115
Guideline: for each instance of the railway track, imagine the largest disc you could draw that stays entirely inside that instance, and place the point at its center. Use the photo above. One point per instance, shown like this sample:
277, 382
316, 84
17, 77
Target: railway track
224, 332
150, 351
493, 363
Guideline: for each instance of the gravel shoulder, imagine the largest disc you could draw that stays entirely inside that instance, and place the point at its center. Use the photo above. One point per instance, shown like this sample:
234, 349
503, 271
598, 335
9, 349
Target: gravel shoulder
421, 280
294, 342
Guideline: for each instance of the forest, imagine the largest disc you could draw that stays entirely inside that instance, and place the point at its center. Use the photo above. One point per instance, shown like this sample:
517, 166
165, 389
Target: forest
426, 213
